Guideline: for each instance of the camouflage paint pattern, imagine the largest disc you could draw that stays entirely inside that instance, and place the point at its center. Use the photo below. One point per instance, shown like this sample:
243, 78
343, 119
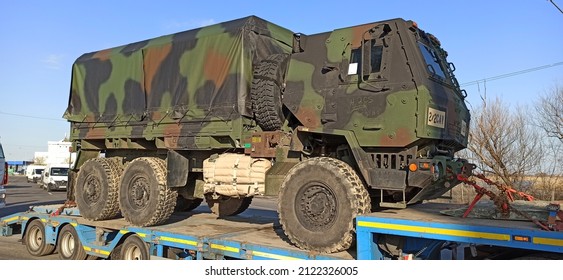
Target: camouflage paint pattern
190, 91
181, 86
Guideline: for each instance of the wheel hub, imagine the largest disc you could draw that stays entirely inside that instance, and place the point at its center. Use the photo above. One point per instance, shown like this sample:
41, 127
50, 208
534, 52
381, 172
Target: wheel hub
317, 207
140, 192
92, 189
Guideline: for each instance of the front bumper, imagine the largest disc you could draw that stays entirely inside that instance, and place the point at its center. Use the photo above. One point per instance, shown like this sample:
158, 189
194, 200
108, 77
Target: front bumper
434, 177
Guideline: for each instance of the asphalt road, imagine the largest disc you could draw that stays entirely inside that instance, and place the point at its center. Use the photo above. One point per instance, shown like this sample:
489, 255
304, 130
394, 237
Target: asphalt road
21, 195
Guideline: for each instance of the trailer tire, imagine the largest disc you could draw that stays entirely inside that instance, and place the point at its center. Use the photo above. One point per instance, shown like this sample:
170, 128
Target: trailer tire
69, 246
34, 239
134, 248
319, 200
144, 198
225, 206
97, 189
266, 92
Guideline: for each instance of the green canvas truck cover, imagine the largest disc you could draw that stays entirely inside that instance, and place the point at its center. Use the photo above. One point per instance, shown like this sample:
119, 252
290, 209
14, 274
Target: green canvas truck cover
187, 75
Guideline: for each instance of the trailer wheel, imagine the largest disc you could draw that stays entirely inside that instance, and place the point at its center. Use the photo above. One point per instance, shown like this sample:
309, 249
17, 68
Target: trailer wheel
318, 202
184, 204
69, 246
228, 206
34, 239
96, 189
266, 92
134, 248
144, 198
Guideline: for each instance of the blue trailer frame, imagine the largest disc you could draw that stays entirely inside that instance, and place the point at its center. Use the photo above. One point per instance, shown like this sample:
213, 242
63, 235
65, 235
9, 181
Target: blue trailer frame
422, 231
424, 224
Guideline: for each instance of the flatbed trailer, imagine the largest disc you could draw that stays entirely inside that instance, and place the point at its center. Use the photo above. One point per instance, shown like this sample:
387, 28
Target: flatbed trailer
419, 232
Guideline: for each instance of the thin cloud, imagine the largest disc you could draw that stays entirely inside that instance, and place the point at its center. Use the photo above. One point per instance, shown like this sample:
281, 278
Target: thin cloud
53, 61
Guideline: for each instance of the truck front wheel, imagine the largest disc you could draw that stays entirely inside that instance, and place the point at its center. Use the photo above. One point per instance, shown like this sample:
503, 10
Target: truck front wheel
318, 202
144, 197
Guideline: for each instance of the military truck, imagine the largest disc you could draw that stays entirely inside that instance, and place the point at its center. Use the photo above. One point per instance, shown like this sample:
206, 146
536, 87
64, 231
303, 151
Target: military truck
334, 124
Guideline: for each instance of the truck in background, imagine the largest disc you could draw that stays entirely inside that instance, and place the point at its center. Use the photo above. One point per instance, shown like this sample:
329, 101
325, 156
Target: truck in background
334, 124
3, 177
33, 173
55, 177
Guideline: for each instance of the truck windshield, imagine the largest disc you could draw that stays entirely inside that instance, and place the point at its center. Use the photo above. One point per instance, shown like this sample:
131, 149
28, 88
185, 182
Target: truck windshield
433, 61
59, 171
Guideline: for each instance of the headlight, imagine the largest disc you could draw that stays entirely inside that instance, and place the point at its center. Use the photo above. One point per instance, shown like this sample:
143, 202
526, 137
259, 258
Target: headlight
2, 195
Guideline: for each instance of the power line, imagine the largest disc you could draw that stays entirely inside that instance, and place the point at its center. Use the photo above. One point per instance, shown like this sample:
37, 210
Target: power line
32, 117
511, 74
556, 6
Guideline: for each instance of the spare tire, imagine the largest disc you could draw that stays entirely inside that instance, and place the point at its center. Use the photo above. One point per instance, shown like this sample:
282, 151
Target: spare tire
266, 91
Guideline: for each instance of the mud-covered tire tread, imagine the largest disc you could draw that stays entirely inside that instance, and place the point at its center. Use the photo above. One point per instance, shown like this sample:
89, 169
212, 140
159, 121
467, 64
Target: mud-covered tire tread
166, 197
266, 91
361, 204
113, 171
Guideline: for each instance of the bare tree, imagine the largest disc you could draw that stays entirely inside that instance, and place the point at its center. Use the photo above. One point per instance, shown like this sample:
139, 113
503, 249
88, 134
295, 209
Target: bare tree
40, 160
503, 143
550, 113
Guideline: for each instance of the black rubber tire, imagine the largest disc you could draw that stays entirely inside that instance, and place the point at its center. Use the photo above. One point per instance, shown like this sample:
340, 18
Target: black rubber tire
319, 200
226, 206
134, 248
34, 240
266, 92
97, 189
185, 205
69, 246
144, 198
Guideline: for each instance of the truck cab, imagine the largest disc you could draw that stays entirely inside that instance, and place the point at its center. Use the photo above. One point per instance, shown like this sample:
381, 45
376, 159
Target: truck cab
3, 177
55, 177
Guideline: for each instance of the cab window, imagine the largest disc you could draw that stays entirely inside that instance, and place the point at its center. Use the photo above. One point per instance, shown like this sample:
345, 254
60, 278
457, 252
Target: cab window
375, 56
432, 61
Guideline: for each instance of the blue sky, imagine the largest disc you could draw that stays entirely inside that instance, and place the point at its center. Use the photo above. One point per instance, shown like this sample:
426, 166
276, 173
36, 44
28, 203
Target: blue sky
41, 39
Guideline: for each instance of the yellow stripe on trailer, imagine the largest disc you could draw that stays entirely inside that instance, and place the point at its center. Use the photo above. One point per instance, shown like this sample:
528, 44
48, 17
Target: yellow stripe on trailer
548, 241
143, 235
178, 240
441, 231
224, 248
11, 219
97, 251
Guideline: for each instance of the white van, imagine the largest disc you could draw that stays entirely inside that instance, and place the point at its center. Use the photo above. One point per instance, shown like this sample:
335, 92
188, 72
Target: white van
3, 177
33, 173
55, 176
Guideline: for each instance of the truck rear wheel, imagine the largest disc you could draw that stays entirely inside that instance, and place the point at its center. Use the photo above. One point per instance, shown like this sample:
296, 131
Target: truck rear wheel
266, 92
318, 202
34, 239
228, 206
144, 198
69, 246
97, 189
